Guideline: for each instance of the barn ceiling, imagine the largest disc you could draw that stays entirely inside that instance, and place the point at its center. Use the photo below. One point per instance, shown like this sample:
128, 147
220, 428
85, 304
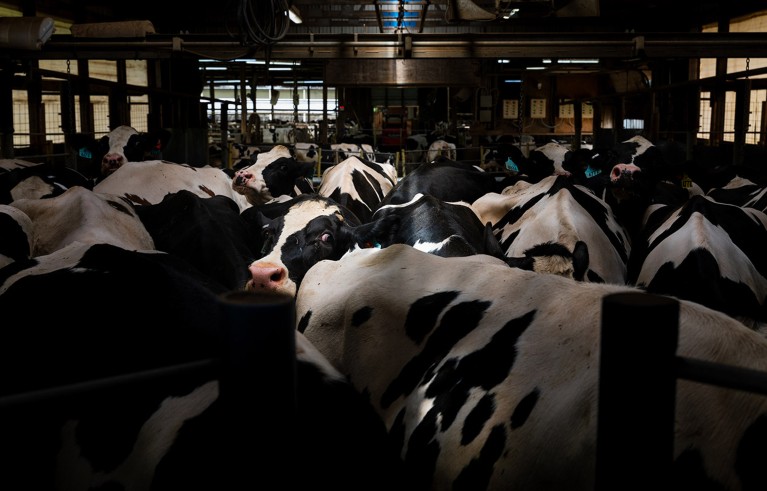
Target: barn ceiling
619, 32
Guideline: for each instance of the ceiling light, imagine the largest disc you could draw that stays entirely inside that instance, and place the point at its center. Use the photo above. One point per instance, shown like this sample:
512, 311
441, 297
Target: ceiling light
295, 15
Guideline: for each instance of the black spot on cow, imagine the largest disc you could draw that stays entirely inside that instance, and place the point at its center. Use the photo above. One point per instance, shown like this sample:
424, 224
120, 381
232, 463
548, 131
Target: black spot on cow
688, 472
423, 313
477, 474
361, 316
477, 418
14, 243
423, 451
304, 321
524, 408
456, 323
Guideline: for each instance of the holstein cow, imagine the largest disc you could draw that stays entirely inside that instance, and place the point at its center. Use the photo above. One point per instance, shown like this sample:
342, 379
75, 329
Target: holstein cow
555, 213
23, 179
122, 144
741, 191
148, 182
275, 173
129, 404
299, 233
448, 180
83, 216
497, 388
358, 184
708, 252
209, 233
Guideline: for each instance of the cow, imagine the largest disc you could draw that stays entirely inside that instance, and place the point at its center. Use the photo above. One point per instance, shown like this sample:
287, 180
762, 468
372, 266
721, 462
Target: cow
24, 179
741, 191
557, 211
275, 173
358, 184
209, 233
84, 216
441, 148
497, 388
707, 252
297, 234
16, 239
122, 144
446, 179
147, 337
548, 159
148, 182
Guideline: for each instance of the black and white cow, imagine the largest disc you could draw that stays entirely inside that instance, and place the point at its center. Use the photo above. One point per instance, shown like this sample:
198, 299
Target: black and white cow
131, 315
80, 215
448, 180
209, 233
148, 182
497, 388
741, 191
552, 212
275, 173
707, 252
122, 144
358, 184
23, 179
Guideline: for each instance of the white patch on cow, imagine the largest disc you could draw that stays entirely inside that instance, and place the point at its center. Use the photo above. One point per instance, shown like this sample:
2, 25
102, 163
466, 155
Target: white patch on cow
556, 152
33, 187
84, 216
643, 144
154, 440
441, 148
557, 357
149, 181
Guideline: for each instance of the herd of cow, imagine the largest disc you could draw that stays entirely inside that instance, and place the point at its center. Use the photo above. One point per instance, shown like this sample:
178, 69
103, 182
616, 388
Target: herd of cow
447, 323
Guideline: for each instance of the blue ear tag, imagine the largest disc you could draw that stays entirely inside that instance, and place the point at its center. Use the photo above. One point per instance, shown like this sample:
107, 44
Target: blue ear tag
85, 153
590, 172
511, 165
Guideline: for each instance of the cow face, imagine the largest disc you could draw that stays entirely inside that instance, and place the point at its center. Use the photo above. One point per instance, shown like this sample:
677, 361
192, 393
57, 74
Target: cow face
275, 173
313, 228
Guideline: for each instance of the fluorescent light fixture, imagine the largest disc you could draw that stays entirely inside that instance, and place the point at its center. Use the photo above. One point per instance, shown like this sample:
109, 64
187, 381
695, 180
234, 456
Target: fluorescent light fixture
535, 68
579, 60
547, 60
513, 81
279, 69
250, 61
214, 68
295, 15
504, 60
309, 82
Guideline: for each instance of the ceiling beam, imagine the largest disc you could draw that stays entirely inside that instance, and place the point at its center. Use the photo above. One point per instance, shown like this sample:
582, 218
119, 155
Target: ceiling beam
393, 46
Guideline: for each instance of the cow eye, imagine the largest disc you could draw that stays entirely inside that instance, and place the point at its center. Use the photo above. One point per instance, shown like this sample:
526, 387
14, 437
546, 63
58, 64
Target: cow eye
325, 237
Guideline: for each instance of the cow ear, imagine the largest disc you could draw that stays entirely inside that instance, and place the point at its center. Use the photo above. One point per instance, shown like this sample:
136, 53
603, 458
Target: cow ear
492, 246
377, 233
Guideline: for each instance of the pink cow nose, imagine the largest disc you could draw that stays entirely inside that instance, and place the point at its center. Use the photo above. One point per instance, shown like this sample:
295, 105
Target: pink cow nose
241, 177
623, 170
266, 276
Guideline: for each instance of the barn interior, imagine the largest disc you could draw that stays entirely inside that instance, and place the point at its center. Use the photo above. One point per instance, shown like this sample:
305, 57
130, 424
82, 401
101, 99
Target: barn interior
577, 71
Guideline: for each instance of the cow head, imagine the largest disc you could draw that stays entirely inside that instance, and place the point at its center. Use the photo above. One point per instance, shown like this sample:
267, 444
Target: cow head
296, 235
275, 173
122, 144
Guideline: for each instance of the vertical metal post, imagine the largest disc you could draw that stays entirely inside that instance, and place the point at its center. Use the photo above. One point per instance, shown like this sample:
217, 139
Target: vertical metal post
257, 387
637, 391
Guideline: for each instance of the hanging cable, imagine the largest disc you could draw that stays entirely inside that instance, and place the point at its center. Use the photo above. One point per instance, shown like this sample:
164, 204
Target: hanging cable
262, 22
